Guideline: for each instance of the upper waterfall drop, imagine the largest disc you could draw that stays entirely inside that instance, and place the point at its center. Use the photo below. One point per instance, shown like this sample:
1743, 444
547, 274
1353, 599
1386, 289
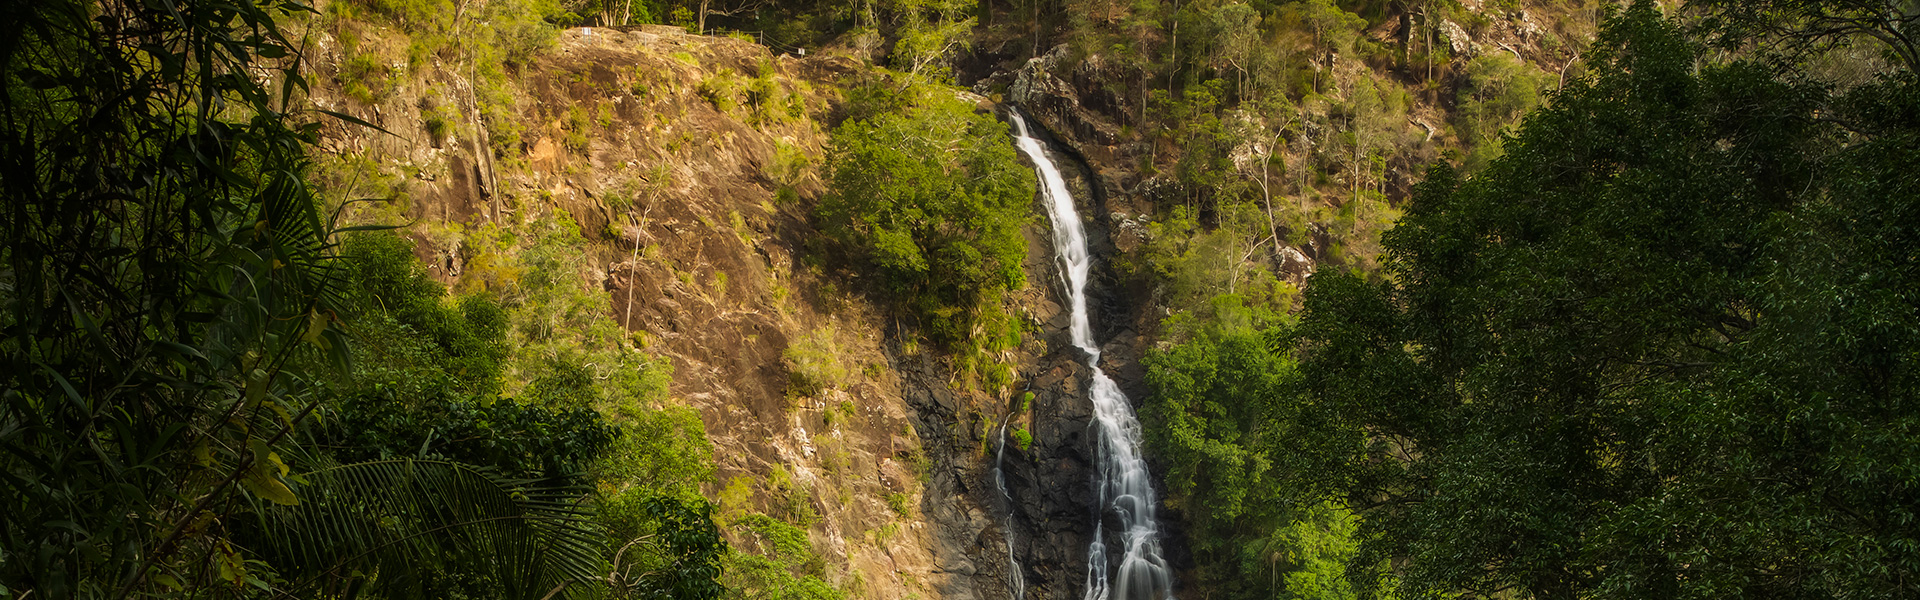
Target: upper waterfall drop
1122, 483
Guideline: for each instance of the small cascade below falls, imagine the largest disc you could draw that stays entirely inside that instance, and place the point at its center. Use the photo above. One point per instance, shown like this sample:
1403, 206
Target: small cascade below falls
1122, 483
1016, 581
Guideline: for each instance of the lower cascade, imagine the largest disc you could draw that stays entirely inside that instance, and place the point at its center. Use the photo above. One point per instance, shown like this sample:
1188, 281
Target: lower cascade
1016, 581
1123, 486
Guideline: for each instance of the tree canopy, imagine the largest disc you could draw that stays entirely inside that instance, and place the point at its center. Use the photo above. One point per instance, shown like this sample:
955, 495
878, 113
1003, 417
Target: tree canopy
1663, 347
181, 409
931, 197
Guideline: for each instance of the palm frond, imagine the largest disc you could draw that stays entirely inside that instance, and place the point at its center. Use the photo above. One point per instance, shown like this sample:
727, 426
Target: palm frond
389, 526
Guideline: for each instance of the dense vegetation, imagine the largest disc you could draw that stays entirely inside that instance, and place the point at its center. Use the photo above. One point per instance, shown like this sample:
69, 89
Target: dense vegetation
215, 387
1656, 341
929, 196
1660, 347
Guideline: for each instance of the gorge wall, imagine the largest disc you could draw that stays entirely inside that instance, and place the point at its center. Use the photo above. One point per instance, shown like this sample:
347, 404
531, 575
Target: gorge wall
690, 164
675, 177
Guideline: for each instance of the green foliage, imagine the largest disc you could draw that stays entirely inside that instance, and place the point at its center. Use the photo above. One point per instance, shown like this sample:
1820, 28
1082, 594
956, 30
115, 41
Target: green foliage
1243, 457
1194, 264
165, 266
900, 504
553, 311
578, 129
438, 117
412, 15
466, 337
920, 464
663, 451
778, 563
794, 497
814, 365
768, 98
791, 166
512, 31
1022, 439
1318, 545
601, 13
1794, 31
518, 440
364, 78
929, 31
931, 199
1205, 168
570, 426
722, 90
1660, 348
177, 310
673, 549
413, 520
1496, 90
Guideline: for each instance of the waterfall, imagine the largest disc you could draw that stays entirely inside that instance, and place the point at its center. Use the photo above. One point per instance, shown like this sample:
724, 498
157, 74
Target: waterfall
1121, 481
1016, 581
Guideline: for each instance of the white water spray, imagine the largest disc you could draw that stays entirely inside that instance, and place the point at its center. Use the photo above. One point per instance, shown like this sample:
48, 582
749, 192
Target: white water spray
1016, 581
1122, 482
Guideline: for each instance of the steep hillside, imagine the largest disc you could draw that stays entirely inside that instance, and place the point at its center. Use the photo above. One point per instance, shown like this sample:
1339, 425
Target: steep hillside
690, 166
1234, 149
689, 163
1311, 299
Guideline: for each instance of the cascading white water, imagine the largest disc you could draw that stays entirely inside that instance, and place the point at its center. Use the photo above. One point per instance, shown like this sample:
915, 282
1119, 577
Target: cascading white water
1122, 483
1016, 581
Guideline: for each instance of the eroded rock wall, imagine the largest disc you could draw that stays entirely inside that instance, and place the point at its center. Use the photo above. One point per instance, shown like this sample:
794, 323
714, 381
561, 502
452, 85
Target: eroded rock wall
674, 182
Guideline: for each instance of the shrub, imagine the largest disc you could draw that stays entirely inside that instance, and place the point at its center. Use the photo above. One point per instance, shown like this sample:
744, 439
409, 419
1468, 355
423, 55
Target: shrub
1496, 91
900, 504
665, 450
813, 363
438, 116
781, 565
467, 336
722, 90
931, 200
551, 444
577, 127
365, 79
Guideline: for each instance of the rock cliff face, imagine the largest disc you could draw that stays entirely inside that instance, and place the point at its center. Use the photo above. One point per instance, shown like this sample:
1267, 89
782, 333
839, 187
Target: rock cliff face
1051, 481
1093, 108
655, 143
671, 152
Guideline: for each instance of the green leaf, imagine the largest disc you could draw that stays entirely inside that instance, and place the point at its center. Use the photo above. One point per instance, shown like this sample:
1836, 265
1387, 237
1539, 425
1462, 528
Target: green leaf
264, 477
399, 518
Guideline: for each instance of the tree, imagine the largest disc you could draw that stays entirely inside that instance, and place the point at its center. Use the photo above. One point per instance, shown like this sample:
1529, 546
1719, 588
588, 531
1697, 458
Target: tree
1496, 91
165, 261
1655, 350
929, 31
726, 8
172, 304
1800, 27
931, 198
1217, 395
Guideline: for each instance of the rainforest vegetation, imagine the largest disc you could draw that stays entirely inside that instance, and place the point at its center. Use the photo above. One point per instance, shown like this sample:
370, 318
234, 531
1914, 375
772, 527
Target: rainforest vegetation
1633, 314
1659, 347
